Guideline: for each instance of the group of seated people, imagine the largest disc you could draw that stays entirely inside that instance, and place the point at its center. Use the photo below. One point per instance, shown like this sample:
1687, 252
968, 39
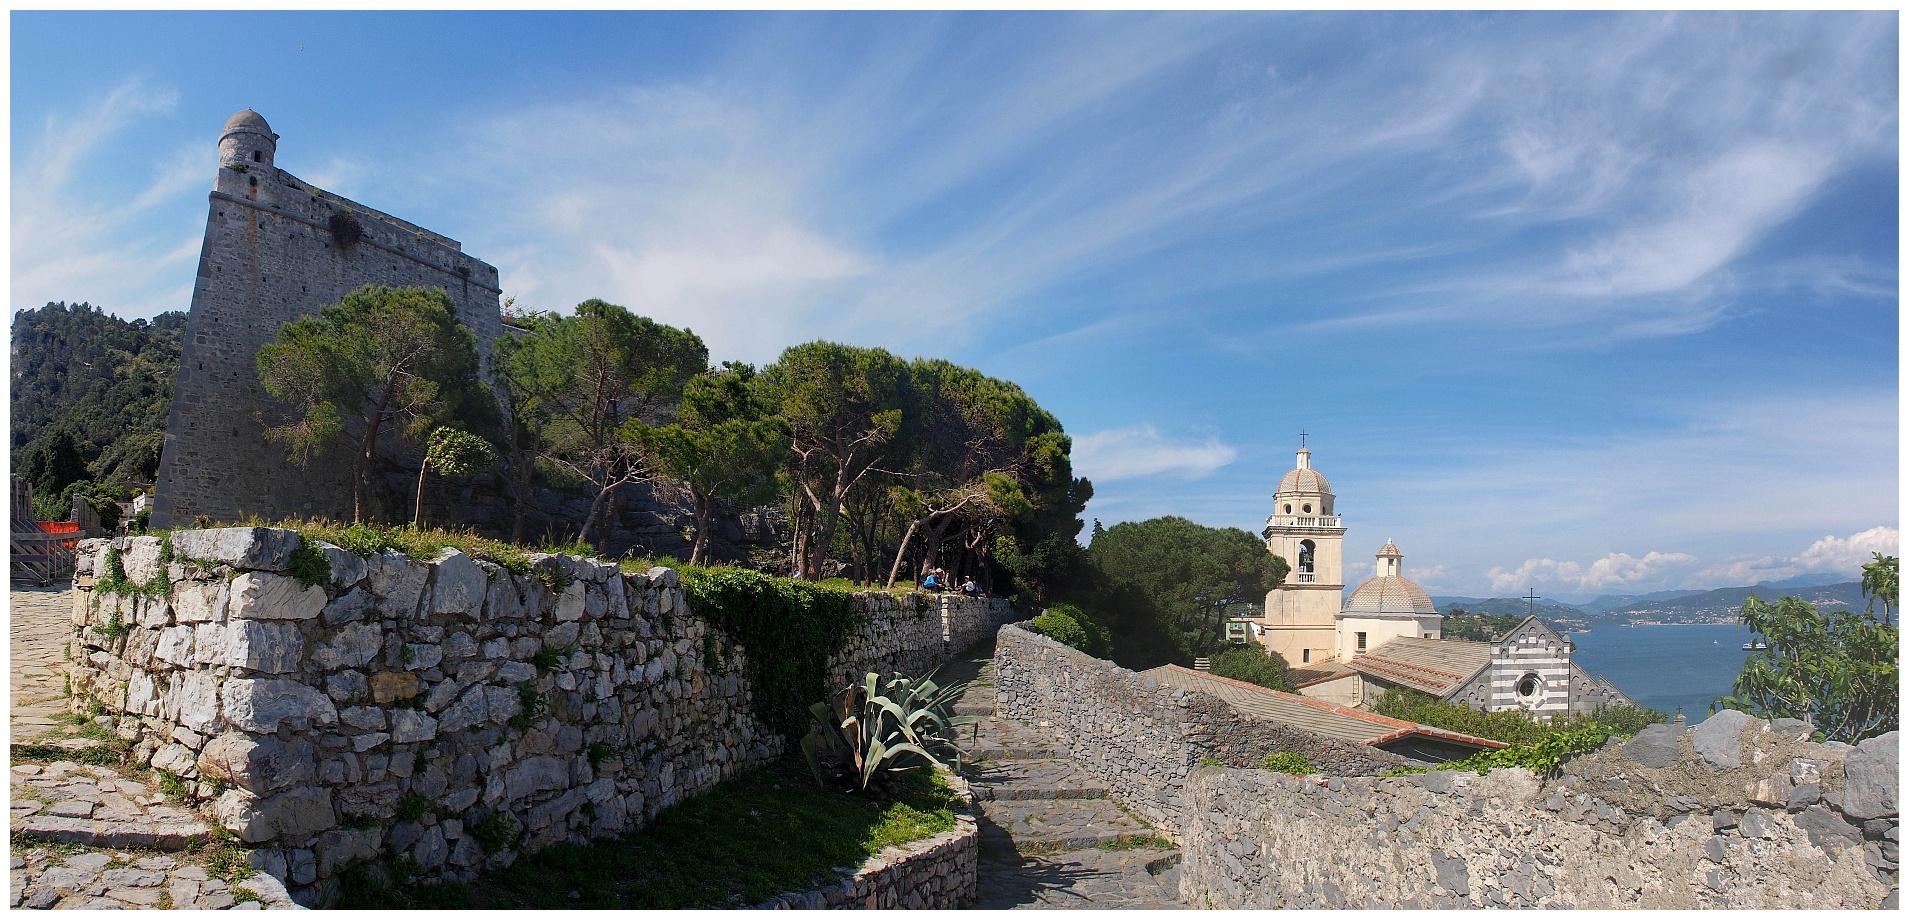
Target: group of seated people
938, 580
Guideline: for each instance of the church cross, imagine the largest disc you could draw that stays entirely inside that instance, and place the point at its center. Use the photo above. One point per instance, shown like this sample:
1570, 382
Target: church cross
1302, 439
1531, 601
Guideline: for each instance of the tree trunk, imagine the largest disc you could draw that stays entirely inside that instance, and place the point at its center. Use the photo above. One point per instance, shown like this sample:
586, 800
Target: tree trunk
417, 513
361, 468
705, 510
901, 553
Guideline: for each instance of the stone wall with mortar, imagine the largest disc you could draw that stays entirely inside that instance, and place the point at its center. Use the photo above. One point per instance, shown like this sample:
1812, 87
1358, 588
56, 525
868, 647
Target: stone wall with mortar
1733, 814
1141, 737
940, 872
579, 701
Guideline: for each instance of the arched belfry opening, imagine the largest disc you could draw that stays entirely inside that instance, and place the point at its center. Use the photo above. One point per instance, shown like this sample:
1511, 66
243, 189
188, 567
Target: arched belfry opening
1304, 564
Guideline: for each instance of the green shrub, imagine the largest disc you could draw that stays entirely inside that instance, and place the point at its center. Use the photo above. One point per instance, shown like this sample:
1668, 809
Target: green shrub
547, 659
788, 631
598, 753
882, 727
1061, 628
496, 832
1289, 763
1254, 665
412, 807
309, 565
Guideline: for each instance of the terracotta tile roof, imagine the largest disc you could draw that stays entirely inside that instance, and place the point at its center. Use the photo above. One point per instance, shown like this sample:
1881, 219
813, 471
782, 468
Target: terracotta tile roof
1435, 666
1316, 716
1389, 594
1306, 677
1303, 481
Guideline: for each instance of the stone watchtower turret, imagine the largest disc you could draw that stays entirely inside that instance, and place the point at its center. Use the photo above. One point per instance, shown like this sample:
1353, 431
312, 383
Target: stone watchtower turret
277, 248
247, 142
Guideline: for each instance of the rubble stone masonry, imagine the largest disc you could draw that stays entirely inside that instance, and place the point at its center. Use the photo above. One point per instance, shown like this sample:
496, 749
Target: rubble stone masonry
574, 704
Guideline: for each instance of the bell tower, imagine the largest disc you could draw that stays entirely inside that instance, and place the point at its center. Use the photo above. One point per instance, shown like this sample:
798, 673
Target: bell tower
1305, 530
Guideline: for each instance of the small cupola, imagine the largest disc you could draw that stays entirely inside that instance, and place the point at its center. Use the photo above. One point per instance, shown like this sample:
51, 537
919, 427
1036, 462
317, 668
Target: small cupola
247, 142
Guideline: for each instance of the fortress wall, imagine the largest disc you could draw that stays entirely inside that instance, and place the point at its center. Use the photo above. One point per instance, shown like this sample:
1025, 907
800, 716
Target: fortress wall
311, 716
269, 258
1141, 737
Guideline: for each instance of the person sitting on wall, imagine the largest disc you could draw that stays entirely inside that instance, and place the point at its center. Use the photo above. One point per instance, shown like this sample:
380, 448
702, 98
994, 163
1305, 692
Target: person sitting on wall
969, 588
931, 583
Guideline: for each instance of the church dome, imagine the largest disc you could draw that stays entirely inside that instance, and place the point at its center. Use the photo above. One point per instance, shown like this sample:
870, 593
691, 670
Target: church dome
1303, 478
1389, 591
1389, 594
1303, 481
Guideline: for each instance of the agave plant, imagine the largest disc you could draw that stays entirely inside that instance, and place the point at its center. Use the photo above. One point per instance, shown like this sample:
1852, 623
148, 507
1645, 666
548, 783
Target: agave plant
882, 727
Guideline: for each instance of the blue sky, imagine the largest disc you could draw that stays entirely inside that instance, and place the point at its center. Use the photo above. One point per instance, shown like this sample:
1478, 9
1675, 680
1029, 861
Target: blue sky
1581, 302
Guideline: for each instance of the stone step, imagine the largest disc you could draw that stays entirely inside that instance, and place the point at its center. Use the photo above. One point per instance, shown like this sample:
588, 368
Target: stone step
965, 708
1076, 823
121, 833
1004, 780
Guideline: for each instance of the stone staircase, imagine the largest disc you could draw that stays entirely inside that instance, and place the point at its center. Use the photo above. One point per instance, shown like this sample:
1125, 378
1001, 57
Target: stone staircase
1051, 837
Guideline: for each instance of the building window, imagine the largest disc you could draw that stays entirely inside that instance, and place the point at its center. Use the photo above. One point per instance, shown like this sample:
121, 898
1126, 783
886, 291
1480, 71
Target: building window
1306, 508
1361, 642
1530, 689
255, 156
1305, 656
1289, 507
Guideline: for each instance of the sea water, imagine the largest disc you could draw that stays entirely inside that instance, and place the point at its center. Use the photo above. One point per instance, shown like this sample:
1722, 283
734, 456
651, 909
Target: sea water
1666, 667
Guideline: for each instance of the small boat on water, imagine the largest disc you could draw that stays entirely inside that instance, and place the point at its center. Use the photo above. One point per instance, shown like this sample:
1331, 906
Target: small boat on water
1756, 646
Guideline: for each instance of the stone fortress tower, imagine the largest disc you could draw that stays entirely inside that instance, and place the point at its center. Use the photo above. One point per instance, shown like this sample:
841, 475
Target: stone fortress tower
277, 248
1299, 623
1384, 607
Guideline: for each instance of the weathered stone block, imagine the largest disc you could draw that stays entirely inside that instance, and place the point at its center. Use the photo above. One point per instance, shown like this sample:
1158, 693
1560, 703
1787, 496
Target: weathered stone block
1871, 777
267, 548
570, 603
459, 584
261, 705
391, 686
175, 646
295, 814
349, 606
351, 647
140, 559
397, 581
264, 596
259, 764
197, 602
1656, 746
1718, 739
195, 695
347, 568
272, 647
409, 725
534, 775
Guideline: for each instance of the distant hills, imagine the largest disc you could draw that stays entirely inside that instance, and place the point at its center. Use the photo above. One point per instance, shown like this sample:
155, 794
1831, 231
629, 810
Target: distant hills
1719, 605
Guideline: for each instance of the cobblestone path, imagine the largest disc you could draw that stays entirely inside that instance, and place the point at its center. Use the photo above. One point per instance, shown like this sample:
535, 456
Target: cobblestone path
36, 632
85, 832
1050, 836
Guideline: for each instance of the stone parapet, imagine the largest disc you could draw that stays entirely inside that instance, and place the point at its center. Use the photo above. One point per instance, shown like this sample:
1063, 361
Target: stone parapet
444, 710
1141, 737
940, 872
1742, 816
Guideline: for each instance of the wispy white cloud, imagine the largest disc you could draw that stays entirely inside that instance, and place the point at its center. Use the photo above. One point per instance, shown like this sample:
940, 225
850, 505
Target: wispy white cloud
1833, 554
1614, 570
77, 239
1130, 453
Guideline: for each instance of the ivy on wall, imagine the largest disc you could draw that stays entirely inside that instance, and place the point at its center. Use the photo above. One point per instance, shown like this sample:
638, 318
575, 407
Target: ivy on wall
788, 630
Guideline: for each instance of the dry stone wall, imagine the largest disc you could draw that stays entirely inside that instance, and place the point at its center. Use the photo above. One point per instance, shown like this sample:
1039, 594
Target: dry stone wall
940, 872
443, 710
1141, 737
1738, 814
